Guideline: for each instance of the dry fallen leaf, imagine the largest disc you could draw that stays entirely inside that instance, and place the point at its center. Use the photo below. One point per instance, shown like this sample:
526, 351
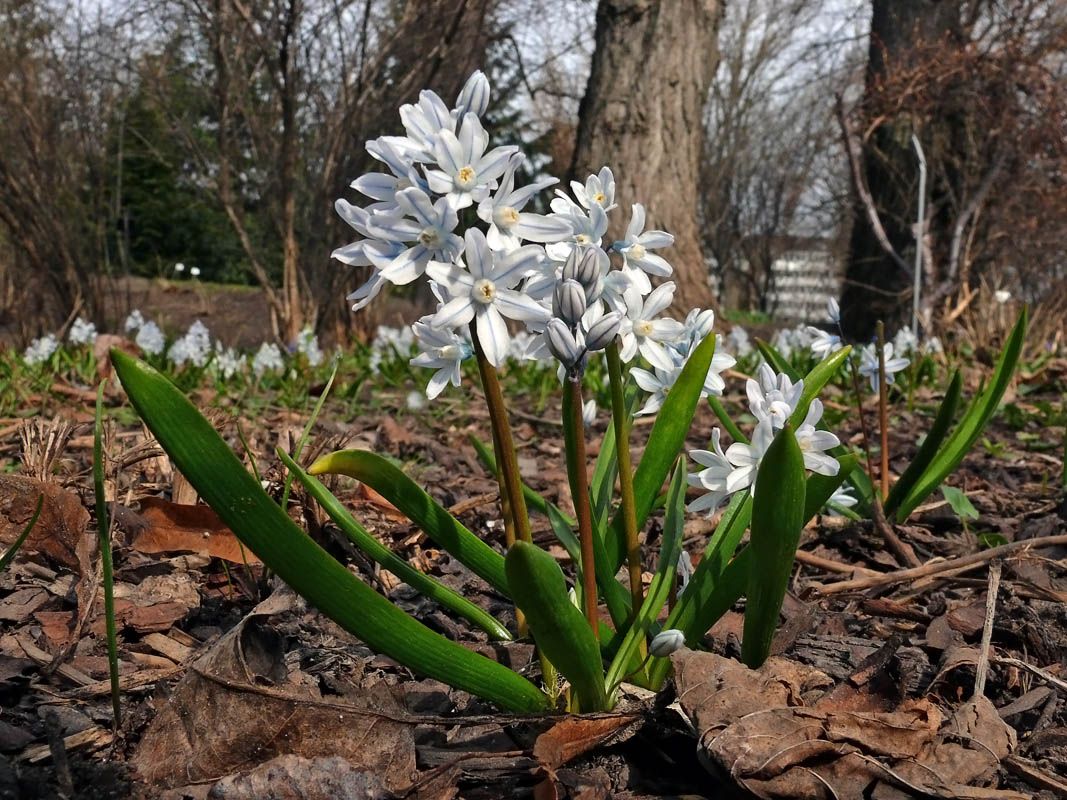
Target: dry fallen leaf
291, 776
60, 529
237, 707
757, 729
175, 527
573, 736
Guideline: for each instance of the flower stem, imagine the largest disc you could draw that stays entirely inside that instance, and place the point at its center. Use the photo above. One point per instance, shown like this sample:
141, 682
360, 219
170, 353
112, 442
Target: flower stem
620, 419
512, 500
883, 411
580, 489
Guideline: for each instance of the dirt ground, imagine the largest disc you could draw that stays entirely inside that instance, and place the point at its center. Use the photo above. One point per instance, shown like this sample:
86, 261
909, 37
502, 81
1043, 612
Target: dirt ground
234, 688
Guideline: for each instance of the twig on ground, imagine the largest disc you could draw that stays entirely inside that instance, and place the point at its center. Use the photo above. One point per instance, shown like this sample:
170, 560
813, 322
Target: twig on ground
938, 567
1044, 675
829, 565
982, 670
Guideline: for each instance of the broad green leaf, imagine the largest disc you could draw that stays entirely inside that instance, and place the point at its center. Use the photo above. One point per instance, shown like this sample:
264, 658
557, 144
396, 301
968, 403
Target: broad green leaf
414, 503
660, 587
960, 503
970, 427
776, 360
558, 627
938, 431
664, 441
369, 545
777, 519
201, 455
9, 554
820, 488
814, 381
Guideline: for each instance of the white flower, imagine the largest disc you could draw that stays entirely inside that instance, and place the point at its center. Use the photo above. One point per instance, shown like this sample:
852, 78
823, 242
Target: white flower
833, 311
82, 332
869, 364
228, 361
427, 228
194, 346
824, 342
813, 442
268, 359
474, 96
841, 497
712, 479
133, 322
308, 344
773, 397
599, 190
486, 295
746, 458
194, 272
508, 223
442, 350
179, 267
739, 341
150, 338
467, 170
589, 413
1002, 295
635, 247
415, 401
587, 228
40, 350
643, 333
905, 341
423, 122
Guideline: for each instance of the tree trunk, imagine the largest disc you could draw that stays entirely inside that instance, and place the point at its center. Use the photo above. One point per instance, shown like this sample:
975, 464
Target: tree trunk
876, 284
643, 116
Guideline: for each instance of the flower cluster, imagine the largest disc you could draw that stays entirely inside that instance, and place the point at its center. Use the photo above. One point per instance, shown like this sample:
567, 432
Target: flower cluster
772, 399
551, 274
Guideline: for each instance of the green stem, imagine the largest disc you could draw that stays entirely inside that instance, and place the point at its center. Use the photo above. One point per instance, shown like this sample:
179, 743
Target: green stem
104, 530
621, 421
513, 501
580, 484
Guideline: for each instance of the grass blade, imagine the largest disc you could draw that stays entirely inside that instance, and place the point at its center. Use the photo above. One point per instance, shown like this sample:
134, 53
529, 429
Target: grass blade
419, 581
215, 472
970, 427
103, 527
938, 431
412, 501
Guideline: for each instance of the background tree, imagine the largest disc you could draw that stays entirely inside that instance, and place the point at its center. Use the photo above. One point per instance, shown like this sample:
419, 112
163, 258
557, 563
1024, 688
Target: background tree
982, 85
642, 114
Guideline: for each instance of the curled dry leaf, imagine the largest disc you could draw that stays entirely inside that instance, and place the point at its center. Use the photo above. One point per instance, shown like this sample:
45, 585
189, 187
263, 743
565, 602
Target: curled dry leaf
59, 531
238, 706
165, 527
761, 729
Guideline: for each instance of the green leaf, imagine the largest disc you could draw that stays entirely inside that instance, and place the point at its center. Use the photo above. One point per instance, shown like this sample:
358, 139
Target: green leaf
396, 487
970, 427
201, 455
820, 488
9, 554
419, 581
938, 431
665, 440
558, 627
660, 587
777, 519
814, 381
960, 503
776, 360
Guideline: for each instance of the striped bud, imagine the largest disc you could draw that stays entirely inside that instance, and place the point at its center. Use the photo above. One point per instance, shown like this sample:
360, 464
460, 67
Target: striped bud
603, 331
666, 642
568, 302
562, 344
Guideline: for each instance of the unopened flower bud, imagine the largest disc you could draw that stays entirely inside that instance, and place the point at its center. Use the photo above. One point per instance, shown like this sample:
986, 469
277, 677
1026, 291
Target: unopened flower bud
603, 331
562, 343
568, 302
666, 642
583, 265
474, 97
